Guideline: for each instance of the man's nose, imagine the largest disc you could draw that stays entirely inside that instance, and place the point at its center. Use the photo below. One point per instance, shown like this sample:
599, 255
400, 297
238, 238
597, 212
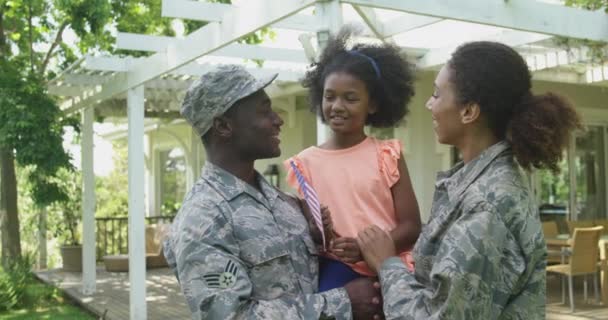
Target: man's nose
278, 121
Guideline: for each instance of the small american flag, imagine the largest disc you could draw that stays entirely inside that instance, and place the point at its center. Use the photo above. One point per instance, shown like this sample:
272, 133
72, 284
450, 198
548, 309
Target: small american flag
311, 199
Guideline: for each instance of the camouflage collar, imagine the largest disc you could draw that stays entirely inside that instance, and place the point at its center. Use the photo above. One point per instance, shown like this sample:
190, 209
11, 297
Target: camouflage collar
458, 178
230, 186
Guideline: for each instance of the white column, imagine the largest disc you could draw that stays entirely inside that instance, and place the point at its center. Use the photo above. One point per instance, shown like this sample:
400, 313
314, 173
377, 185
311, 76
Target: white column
88, 203
150, 177
137, 247
195, 146
329, 17
42, 257
573, 211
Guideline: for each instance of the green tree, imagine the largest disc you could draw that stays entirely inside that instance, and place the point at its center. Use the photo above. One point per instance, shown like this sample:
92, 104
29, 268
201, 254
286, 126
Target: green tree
32, 51
598, 50
111, 199
31, 123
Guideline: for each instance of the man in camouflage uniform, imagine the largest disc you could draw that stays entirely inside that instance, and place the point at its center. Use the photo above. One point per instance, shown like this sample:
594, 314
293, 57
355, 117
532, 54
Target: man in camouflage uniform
240, 248
482, 255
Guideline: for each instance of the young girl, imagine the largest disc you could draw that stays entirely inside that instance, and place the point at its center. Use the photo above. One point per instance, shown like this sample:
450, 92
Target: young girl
363, 181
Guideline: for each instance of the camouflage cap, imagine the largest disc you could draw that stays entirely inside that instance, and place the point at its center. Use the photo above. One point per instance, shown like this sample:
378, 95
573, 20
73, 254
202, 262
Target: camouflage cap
216, 91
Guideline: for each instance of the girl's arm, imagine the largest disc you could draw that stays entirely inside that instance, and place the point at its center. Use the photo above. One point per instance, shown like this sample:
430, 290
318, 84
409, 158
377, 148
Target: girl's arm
406, 209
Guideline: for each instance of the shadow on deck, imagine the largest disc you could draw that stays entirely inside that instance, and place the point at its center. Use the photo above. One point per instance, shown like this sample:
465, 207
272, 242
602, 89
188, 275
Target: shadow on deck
165, 300
163, 295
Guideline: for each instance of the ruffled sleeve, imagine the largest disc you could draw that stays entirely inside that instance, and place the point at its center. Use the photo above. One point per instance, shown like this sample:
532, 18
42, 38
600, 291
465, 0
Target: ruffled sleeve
290, 177
389, 152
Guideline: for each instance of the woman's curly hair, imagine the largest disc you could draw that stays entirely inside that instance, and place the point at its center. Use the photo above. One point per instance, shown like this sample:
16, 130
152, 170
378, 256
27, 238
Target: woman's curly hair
391, 86
497, 78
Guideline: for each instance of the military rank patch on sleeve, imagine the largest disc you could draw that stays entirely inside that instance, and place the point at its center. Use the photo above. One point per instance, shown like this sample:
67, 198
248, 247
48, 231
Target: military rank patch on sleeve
222, 280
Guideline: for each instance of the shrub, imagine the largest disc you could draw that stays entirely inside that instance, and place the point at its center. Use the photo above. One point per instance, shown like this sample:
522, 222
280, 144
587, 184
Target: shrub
14, 280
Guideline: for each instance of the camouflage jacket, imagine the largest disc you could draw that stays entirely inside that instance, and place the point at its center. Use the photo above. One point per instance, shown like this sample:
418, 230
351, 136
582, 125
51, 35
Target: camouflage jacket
239, 253
481, 256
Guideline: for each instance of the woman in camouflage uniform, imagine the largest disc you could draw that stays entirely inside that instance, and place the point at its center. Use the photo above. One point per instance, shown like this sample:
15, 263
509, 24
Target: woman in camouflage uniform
482, 255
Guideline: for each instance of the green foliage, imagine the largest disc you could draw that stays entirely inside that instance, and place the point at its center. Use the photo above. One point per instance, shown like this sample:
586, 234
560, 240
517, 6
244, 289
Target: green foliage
32, 125
13, 281
64, 217
112, 200
41, 301
32, 51
598, 50
589, 4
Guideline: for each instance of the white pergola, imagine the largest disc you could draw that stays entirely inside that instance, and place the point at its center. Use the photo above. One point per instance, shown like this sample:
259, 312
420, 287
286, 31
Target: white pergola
427, 32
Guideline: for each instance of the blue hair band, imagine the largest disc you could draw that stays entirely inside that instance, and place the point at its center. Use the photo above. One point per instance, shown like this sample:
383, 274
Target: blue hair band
370, 59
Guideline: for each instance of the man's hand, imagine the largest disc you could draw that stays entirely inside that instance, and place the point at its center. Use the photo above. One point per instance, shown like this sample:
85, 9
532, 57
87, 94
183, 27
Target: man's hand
376, 246
365, 298
347, 250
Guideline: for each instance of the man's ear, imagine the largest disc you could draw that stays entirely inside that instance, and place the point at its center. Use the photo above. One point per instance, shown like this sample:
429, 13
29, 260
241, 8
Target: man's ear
470, 113
223, 127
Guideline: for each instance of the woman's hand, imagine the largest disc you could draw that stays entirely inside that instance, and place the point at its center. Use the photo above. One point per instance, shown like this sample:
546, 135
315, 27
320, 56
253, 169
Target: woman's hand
347, 250
376, 246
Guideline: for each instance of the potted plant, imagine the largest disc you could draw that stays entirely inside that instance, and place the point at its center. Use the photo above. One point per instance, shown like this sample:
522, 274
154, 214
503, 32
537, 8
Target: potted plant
66, 217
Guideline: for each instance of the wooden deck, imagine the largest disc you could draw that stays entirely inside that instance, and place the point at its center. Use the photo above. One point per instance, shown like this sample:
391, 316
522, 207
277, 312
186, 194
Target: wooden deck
165, 300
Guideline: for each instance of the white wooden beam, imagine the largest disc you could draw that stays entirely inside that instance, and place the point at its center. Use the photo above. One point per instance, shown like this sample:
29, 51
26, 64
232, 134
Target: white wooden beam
329, 17
525, 15
66, 91
141, 42
136, 232
213, 12
250, 17
511, 38
407, 22
275, 91
114, 64
558, 76
247, 51
84, 79
373, 22
196, 69
88, 204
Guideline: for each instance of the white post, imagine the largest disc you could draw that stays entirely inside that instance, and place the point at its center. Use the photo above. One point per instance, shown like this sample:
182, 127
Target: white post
42, 258
149, 175
88, 204
195, 147
329, 17
572, 208
137, 247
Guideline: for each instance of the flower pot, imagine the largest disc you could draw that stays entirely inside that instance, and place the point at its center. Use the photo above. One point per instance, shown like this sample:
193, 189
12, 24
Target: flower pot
72, 258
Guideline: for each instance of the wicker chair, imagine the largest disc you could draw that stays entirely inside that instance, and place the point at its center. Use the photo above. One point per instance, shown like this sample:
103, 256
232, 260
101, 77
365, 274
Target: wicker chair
155, 258
583, 260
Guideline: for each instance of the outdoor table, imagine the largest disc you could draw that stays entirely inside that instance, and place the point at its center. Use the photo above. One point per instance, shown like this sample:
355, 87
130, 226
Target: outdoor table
563, 240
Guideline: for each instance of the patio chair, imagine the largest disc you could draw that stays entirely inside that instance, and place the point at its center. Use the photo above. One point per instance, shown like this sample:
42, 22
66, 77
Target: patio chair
155, 258
583, 258
603, 223
550, 230
578, 224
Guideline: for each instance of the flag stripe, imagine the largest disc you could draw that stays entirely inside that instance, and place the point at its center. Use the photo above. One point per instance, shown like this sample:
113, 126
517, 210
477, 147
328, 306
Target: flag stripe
311, 198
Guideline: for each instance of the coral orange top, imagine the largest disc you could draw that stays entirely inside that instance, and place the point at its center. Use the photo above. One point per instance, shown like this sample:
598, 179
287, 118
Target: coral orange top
355, 183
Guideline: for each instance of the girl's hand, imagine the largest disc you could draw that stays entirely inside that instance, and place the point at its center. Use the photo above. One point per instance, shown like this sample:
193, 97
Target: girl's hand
347, 250
376, 246
315, 233
328, 226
